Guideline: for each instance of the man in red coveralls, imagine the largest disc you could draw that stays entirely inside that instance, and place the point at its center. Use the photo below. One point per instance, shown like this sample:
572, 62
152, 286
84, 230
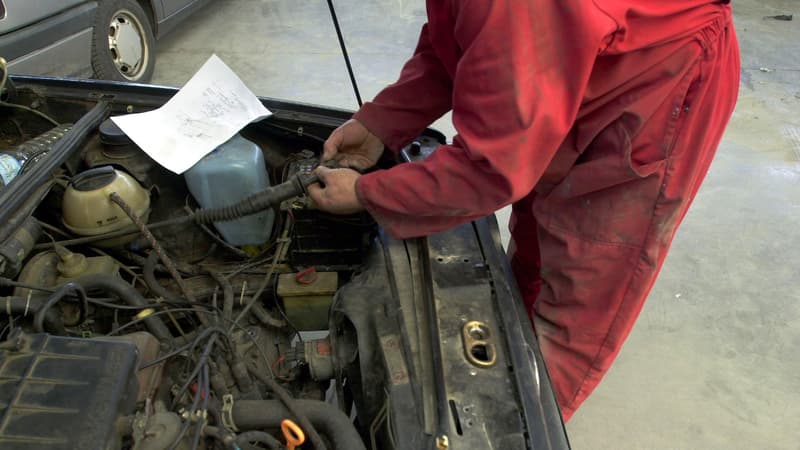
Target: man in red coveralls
596, 119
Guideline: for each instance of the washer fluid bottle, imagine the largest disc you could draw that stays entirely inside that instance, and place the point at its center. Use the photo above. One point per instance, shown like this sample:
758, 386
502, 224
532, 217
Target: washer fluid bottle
230, 173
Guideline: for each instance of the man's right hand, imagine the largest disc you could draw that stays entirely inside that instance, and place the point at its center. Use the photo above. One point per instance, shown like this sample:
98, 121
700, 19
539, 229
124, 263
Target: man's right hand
353, 146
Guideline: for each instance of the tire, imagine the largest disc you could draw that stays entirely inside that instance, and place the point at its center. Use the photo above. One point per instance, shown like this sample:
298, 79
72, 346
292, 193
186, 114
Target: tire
123, 44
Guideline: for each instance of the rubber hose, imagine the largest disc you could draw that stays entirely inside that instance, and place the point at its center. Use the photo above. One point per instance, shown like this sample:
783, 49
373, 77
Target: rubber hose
329, 420
261, 437
149, 275
129, 296
57, 296
25, 306
221, 435
287, 400
257, 202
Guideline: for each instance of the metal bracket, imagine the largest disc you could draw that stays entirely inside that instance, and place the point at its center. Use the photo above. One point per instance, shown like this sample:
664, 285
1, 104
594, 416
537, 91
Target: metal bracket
227, 413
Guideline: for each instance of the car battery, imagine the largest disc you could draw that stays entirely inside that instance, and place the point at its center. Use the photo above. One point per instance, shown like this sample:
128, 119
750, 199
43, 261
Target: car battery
64, 393
326, 241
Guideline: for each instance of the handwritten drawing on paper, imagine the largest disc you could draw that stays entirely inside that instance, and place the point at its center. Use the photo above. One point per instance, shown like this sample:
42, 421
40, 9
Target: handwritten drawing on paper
213, 106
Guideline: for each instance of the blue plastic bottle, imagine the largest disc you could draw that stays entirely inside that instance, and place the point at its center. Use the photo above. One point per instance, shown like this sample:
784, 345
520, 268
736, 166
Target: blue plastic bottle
233, 171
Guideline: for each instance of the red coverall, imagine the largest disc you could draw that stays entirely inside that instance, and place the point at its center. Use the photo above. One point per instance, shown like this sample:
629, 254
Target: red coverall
596, 119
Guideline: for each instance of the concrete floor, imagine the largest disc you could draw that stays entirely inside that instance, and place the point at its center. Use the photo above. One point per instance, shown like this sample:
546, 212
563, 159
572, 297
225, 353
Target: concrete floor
714, 361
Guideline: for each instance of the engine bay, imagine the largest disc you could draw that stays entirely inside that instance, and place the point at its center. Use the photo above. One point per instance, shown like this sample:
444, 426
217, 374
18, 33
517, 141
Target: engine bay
220, 314
219, 309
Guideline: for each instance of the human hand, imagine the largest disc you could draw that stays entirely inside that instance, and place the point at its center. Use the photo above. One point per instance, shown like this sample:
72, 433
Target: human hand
353, 146
336, 192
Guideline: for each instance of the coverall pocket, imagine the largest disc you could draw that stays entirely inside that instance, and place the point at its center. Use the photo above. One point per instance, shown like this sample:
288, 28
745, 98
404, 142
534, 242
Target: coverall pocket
609, 195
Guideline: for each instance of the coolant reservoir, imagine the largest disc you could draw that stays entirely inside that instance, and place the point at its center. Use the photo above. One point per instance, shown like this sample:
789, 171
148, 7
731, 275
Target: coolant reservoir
227, 175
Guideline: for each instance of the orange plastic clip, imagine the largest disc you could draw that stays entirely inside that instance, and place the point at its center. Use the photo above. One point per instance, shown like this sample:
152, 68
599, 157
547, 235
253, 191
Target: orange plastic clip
294, 434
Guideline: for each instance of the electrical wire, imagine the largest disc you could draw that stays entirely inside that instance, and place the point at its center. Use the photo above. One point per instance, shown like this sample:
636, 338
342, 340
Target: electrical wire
206, 388
95, 300
154, 314
216, 238
298, 132
280, 253
57, 296
32, 111
244, 330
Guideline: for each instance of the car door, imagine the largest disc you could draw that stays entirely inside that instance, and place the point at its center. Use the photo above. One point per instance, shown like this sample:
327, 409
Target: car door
173, 6
17, 14
47, 37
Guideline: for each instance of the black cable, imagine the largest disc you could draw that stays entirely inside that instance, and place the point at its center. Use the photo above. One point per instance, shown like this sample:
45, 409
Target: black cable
167, 356
95, 300
57, 296
174, 310
205, 389
155, 314
198, 367
344, 52
218, 240
294, 132
188, 422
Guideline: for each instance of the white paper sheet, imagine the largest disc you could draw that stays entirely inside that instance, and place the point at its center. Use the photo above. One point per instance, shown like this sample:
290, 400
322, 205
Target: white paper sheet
213, 106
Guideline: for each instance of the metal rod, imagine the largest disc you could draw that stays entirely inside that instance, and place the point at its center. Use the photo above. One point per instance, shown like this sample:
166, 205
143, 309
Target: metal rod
344, 52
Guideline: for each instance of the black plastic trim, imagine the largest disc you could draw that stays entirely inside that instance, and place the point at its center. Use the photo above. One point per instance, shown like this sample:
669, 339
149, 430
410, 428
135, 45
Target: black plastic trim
539, 406
15, 194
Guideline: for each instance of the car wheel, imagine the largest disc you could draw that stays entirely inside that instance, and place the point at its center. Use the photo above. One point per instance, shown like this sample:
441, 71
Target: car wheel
123, 48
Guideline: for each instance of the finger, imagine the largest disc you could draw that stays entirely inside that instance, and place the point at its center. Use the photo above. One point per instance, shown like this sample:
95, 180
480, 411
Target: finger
331, 146
354, 162
323, 173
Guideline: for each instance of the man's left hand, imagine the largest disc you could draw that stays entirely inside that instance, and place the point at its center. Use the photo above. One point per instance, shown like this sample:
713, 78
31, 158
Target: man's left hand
336, 192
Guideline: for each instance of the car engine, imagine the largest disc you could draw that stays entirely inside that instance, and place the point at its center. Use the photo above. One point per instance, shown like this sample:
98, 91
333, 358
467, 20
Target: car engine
220, 309
160, 333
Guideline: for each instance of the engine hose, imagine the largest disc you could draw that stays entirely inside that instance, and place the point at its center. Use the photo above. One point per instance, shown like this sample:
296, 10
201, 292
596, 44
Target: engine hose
329, 420
221, 435
57, 296
31, 305
149, 275
291, 406
257, 202
260, 437
129, 295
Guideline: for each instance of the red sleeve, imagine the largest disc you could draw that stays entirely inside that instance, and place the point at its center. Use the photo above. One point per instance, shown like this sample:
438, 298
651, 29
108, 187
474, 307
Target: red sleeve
422, 94
517, 89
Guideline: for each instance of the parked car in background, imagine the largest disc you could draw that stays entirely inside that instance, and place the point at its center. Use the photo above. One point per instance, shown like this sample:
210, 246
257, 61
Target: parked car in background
108, 39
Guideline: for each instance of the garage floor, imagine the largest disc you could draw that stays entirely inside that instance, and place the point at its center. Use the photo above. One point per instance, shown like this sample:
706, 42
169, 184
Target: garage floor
714, 361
